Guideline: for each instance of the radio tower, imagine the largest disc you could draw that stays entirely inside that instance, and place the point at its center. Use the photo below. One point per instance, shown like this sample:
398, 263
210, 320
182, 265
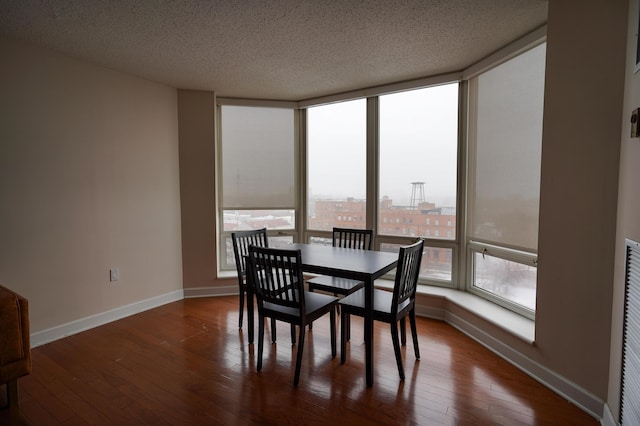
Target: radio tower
417, 194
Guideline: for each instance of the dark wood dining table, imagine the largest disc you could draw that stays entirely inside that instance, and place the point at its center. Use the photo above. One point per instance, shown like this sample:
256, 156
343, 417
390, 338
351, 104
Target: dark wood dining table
363, 265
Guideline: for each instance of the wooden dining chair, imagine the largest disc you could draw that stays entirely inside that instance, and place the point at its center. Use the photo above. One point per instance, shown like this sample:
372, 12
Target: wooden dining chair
390, 307
361, 239
277, 274
241, 242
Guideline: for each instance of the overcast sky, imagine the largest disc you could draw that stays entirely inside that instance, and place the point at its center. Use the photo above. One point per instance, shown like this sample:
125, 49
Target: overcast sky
418, 143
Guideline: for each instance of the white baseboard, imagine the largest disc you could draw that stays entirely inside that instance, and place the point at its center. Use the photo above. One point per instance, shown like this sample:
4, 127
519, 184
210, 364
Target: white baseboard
73, 327
429, 312
227, 290
607, 417
574, 393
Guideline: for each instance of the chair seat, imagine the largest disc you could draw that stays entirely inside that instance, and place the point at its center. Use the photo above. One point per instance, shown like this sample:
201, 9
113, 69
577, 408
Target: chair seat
316, 305
335, 285
381, 303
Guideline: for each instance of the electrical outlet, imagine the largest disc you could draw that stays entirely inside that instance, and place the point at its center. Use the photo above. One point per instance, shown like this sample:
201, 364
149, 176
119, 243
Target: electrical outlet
114, 274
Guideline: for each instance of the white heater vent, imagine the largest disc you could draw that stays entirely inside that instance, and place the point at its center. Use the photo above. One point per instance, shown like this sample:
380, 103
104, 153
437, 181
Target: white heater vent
630, 387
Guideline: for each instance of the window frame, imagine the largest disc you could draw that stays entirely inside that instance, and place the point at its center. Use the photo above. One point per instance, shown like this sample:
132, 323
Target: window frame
462, 247
473, 246
223, 267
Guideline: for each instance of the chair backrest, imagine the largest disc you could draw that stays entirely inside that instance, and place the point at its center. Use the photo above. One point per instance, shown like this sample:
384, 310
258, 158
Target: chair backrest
277, 276
407, 272
241, 242
353, 238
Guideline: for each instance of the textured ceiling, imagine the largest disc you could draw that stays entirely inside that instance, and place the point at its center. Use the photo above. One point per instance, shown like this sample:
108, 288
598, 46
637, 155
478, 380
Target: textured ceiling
278, 49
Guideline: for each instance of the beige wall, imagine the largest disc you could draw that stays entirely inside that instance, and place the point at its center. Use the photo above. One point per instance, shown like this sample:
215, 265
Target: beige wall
580, 155
196, 112
628, 205
89, 180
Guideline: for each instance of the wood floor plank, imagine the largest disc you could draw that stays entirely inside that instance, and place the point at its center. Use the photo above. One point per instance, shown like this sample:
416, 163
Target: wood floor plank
188, 363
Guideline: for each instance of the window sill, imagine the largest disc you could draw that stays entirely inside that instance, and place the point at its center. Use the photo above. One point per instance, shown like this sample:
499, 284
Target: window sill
511, 322
227, 274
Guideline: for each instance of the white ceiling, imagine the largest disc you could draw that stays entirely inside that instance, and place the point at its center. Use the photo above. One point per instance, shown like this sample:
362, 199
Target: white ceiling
278, 49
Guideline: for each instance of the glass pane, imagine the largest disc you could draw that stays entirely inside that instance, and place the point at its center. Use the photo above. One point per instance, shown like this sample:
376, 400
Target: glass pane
418, 162
436, 261
336, 165
258, 164
506, 279
281, 241
245, 220
321, 241
229, 261
507, 152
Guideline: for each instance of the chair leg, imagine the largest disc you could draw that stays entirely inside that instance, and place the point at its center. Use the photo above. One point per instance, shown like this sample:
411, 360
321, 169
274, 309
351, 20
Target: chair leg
396, 348
403, 332
250, 316
344, 320
293, 334
311, 323
241, 308
260, 341
414, 333
296, 378
273, 330
332, 318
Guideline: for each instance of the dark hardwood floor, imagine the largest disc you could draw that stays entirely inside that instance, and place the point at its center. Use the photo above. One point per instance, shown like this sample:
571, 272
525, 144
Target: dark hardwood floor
186, 363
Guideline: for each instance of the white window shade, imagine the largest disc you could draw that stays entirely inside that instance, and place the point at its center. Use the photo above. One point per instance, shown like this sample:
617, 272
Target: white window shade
258, 157
506, 151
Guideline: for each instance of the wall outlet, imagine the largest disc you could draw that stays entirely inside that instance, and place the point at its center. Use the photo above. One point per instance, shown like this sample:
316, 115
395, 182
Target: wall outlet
114, 274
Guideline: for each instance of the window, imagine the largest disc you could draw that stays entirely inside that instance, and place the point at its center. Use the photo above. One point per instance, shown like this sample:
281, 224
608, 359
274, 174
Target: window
336, 165
418, 169
418, 153
256, 190
436, 262
391, 162
504, 180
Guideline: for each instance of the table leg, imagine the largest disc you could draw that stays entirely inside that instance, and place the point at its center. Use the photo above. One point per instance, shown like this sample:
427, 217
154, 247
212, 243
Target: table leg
368, 330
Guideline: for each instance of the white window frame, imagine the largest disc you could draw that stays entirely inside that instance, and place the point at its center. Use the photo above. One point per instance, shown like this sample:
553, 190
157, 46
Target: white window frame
222, 266
473, 246
462, 248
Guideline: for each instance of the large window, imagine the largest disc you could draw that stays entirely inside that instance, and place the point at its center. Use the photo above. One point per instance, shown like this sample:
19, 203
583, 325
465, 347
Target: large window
504, 178
258, 174
337, 165
418, 169
396, 162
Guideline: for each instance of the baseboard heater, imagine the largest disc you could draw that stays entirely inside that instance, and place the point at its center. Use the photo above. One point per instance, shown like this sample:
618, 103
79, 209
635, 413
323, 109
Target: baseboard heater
630, 386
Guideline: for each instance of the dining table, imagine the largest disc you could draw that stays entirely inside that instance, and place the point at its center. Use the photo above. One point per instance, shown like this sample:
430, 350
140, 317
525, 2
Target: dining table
362, 265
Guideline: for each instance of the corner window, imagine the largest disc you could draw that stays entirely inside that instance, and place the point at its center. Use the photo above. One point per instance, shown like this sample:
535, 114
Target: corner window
505, 145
